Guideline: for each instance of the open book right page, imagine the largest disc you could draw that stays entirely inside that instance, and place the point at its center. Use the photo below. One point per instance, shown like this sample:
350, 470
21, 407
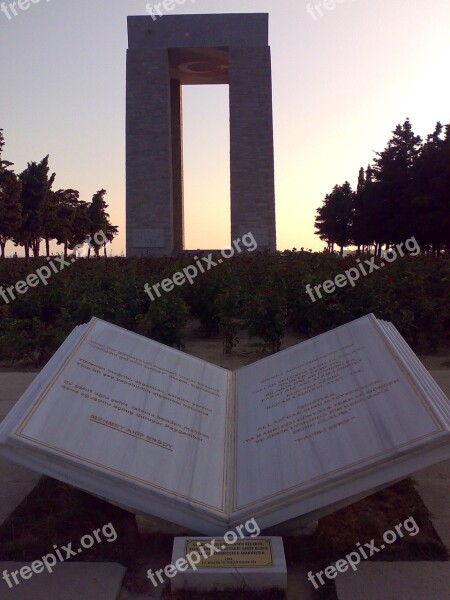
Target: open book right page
416, 370
324, 409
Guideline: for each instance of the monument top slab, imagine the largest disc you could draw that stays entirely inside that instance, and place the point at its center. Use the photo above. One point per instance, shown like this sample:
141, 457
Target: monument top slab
198, 31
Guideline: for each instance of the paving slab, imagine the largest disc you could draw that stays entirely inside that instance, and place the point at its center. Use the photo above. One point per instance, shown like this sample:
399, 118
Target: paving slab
438, 474
442, 377
299, 587
433, 484
395, 581
436, 496
11, 389
69, 581
15, 482
13, 385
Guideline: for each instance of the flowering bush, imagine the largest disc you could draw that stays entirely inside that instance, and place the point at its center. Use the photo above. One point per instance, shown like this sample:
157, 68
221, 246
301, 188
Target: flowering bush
264, 292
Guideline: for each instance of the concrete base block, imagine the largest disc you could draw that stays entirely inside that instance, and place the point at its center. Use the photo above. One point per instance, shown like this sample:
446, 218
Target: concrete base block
68, 581
396, 581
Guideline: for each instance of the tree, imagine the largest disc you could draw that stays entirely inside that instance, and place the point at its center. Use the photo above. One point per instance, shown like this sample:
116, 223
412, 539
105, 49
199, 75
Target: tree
51, 219
404, 194
36, 187
10, 209
111, 232
81, 224
366, 211
431, 197
65, 203
99, 223
30, 211
334, 218
393, 171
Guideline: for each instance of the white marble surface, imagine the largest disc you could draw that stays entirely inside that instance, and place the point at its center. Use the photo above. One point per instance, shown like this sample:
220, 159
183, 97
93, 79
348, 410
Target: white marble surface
162, 433
332, 430
133, 411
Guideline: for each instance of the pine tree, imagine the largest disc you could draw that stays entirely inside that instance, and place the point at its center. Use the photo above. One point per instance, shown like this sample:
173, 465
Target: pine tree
335, 217
393, 171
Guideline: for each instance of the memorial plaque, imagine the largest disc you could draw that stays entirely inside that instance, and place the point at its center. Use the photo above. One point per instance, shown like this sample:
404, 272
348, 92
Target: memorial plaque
248, 553
148, 238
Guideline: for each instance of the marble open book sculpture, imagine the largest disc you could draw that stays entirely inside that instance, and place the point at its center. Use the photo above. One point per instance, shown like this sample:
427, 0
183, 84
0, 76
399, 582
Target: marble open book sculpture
163, 433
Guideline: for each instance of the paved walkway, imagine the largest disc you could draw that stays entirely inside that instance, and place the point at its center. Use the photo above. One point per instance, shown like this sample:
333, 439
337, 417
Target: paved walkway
67, 581
102, 581
16, 482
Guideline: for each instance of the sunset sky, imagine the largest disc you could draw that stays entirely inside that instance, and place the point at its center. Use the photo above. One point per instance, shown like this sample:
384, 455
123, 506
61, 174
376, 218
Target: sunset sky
341, 82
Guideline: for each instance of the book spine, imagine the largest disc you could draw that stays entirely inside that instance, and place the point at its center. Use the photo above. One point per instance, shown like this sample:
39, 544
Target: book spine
230, 449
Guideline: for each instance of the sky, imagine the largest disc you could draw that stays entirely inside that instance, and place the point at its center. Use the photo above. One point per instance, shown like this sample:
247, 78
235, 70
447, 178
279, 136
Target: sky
341, 83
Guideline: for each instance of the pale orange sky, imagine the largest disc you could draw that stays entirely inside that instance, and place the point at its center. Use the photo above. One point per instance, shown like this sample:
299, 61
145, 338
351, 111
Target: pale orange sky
341, 82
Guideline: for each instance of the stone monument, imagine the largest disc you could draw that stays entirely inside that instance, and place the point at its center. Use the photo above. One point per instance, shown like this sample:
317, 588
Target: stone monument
161, 433
163, 56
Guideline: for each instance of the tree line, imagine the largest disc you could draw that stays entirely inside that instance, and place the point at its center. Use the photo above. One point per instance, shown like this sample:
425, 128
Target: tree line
31, 213
404, 193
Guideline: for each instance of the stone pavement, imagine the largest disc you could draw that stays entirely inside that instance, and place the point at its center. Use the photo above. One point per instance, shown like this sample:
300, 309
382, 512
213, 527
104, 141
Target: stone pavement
396, 581
410, 580
433, 484
16, 482
102, 581
68, 581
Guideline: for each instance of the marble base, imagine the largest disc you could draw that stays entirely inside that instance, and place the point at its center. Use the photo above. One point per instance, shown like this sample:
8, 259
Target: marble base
264, 557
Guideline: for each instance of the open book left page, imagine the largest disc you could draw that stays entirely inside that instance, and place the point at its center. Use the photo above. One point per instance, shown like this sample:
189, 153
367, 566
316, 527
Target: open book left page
137, 414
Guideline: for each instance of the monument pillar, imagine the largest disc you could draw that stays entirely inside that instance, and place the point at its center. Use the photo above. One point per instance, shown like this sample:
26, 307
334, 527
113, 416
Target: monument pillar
251, 146
149, 153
